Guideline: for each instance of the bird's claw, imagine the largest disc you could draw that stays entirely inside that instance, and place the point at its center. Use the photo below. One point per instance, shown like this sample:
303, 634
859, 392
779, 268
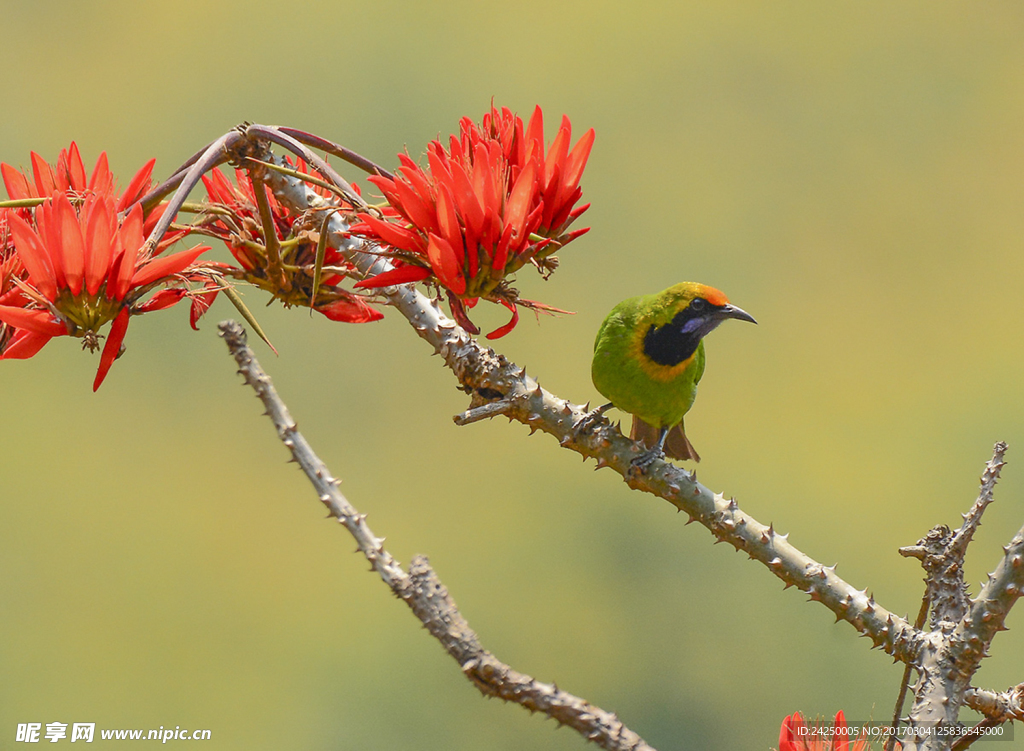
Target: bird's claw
646, 459
590, 420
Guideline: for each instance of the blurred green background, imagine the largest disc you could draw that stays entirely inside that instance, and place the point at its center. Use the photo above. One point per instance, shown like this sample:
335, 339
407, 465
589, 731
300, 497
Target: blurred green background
851, 174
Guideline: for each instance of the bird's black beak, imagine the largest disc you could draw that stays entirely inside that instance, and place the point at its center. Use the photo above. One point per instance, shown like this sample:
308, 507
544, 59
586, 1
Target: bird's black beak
731, 311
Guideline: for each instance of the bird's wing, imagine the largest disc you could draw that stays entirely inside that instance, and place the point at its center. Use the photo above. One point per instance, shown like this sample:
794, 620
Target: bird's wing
698, 363
678, 446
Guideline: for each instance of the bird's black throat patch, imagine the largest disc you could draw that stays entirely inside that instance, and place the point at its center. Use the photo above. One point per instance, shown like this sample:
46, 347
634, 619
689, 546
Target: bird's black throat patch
668, 344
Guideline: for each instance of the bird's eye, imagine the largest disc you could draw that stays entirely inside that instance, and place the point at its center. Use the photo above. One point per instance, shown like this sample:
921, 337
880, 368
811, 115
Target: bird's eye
697, 304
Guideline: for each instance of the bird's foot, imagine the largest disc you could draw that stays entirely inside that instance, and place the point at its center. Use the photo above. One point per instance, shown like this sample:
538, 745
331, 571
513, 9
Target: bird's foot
590, 420
646, 459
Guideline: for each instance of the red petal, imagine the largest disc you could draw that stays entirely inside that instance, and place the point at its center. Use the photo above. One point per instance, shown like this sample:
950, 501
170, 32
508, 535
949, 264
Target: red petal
165, 298
98, 245
459, 311
448, 222
519, 144
392, 234
24, 344
419, 210
112, 347
101, 181
401, 275
518, 206
48, 231
577, 160
74, 169
495, 191
129, 236
502, 330
72, 243
560, 218
787, 733
36, 321
469, 207
387, 187
137, 187
456, 150
16, 183
535, 135
13, 296
45, 184
574, 234
485, 186
33, 256
446, 267
557, 153
350, 310
840, 738
548, 197
152, 218
438, 162
575, 213
417, 179
501, 253
166, 266
218, 187
201, 303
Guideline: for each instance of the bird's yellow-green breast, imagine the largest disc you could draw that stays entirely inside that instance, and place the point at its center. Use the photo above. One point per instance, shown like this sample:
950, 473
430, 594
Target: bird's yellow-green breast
649, 352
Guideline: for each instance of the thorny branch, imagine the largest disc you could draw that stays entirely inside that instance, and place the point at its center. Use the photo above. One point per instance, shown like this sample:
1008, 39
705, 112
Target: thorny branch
490, 377
422, 590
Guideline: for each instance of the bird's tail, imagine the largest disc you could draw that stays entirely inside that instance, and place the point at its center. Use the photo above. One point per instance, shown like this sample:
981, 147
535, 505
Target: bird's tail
677, 445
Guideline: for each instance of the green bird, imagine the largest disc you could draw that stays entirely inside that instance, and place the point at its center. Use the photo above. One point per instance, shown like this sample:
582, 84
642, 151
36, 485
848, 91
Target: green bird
649, 357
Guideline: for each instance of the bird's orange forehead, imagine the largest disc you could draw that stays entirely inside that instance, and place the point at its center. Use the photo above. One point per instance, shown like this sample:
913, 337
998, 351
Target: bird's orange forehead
712, 295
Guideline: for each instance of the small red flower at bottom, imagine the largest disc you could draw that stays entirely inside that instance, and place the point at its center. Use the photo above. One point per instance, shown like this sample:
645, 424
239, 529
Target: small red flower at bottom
85, 270
797, 735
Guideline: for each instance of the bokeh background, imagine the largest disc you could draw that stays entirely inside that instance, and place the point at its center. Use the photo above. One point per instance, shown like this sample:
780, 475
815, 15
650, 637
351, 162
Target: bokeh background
850, 173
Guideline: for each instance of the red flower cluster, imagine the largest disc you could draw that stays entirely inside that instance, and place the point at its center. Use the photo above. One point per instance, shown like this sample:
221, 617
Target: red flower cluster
290, 278
484, 208
795, 735
75, 262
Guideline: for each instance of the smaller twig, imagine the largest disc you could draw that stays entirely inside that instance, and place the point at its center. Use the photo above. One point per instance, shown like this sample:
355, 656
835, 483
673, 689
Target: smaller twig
311, 158
972, 519
484, 411
157, 194
341, 152
214, 154
975, 733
